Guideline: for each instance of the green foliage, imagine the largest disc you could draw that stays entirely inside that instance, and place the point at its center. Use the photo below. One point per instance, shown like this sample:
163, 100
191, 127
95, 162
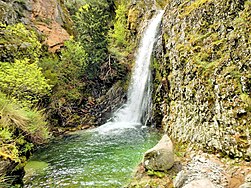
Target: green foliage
49, 68
66, 73
155, 173
59, 70
92, 25
120, 32
17, 42
73, 59
70, 72
19, 129
119, 44
23, 81
5, 181
73, 6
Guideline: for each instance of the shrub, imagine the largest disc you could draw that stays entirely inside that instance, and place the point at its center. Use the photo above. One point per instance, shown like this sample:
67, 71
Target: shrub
23, 81
17, 42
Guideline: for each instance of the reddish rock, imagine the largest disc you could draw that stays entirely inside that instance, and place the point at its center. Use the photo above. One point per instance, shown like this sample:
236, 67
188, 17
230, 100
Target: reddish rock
50, 18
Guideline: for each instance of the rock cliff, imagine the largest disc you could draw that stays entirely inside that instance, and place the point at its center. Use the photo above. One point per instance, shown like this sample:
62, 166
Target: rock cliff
48, 17
203, 75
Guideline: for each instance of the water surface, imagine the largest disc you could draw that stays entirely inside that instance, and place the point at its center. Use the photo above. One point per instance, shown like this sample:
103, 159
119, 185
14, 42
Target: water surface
90, 159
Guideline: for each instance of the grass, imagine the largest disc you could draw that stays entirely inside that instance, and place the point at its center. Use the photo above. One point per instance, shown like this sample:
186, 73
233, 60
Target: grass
19, 129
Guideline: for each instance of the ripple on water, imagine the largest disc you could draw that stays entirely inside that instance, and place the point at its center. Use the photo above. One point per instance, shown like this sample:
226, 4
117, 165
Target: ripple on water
90, 159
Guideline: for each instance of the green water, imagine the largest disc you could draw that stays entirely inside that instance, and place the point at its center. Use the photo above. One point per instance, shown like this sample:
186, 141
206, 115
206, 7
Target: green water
89, 159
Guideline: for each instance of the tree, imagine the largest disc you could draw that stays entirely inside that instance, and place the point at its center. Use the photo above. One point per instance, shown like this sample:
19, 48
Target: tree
92, 24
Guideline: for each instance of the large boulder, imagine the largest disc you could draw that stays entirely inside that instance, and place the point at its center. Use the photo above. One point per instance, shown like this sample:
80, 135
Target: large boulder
161, 156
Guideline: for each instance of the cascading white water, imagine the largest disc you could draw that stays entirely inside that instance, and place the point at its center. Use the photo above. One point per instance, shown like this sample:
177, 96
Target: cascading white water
130, 114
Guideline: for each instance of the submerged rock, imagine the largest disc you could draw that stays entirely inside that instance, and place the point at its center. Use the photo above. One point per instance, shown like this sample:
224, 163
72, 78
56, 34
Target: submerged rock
161, 156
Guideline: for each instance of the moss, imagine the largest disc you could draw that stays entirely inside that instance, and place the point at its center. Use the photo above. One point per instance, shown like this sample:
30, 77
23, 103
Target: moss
161, 3
194, 5
156, 173
209, 86
247, 100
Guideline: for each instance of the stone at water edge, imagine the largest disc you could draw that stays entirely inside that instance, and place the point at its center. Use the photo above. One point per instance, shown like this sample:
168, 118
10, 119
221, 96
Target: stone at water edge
202, 183
161, 156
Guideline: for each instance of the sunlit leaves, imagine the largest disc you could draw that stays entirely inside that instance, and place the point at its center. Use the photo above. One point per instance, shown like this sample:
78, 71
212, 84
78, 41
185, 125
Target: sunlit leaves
23, 81
17, 42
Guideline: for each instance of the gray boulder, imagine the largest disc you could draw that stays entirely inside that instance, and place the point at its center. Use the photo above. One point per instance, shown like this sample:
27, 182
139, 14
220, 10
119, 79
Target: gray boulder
161, 156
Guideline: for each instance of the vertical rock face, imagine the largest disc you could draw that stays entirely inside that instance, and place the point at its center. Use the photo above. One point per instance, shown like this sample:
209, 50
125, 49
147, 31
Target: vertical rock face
52, 19
204, 74
13, 11
49, 17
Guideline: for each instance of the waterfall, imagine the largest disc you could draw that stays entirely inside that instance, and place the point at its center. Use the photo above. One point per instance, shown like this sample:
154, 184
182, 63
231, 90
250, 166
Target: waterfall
130, 114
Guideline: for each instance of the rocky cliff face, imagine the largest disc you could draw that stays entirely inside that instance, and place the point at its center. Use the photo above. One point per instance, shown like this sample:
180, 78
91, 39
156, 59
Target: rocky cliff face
49, 17
203, 74
52, 19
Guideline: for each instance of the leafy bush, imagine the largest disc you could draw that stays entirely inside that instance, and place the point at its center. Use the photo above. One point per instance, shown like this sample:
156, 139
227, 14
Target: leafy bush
23, 81
73, 60
66, 73
17, 42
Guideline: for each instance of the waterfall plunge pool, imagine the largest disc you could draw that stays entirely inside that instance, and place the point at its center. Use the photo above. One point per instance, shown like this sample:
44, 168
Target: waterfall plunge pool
90, 159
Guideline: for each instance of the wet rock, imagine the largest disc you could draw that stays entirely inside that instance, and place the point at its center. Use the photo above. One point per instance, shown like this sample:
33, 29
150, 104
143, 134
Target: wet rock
49, 17
205, 183
180, 179
53, 20
161, 156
